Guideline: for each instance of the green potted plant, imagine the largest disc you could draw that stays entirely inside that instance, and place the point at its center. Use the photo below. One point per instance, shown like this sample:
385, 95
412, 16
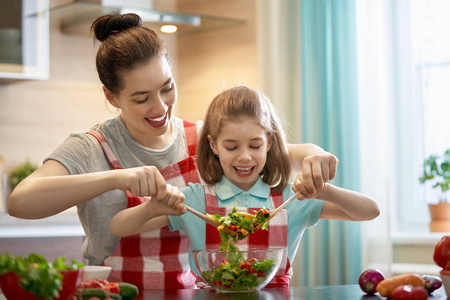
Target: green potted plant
20, 173
436, 170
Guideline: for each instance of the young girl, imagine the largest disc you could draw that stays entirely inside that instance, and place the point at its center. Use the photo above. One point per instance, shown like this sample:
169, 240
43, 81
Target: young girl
242, 156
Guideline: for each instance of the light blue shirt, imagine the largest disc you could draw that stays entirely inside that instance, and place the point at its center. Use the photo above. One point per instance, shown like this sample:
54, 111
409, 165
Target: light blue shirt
301, 214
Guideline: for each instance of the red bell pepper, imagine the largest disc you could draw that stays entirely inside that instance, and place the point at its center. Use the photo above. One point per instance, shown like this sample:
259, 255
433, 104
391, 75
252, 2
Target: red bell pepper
441, 254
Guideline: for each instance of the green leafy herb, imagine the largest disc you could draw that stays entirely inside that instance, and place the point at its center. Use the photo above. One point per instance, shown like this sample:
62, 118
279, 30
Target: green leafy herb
39, 277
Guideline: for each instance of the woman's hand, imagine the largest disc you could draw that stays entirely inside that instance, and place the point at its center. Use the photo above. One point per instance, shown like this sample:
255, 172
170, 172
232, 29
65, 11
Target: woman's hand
317, 170
142, 181
149, 215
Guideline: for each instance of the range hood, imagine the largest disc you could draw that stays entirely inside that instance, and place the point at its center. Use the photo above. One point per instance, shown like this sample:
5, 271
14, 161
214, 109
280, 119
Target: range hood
76, 16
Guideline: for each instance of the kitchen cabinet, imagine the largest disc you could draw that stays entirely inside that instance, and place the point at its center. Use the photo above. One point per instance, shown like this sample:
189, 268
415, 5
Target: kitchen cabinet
24, 39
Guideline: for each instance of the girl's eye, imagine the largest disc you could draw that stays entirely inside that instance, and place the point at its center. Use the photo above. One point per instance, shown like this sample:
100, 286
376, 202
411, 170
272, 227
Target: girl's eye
255, 147
231, 148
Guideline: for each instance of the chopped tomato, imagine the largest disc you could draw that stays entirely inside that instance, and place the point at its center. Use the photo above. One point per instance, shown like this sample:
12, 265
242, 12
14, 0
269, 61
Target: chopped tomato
94, 283
225, 262
232, 227
113, 287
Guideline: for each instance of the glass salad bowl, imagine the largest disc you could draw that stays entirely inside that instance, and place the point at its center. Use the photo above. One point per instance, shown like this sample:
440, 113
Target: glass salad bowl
238, 271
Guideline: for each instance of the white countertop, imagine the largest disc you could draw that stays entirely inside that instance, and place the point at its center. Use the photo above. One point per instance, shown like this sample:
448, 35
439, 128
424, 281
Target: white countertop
63, 224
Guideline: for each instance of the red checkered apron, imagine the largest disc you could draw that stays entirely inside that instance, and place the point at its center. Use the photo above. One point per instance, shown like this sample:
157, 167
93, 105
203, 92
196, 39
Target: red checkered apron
157, 259
275, 236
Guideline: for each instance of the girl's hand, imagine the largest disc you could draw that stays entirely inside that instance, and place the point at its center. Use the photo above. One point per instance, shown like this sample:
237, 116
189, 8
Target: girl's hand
169, 204
142, 181
317, 170
299, 185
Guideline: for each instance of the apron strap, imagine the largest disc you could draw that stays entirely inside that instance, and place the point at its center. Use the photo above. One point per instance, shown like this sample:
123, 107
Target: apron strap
190, 130
106, 149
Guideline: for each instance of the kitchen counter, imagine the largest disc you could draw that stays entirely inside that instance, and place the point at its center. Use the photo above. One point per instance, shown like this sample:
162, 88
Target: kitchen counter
337, 292
332, 292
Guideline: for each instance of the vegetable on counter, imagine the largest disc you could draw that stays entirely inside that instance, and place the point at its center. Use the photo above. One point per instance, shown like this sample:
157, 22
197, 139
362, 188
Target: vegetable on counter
369, 279
386, 287
408, 292
37, 276
442, 252
102, 287
432, 283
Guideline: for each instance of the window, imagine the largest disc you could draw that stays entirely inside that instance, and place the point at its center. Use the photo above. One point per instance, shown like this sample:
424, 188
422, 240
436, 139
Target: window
404, 88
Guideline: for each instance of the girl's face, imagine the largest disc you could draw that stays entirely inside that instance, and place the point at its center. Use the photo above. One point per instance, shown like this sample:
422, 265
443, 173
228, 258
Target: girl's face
242, 147
147, 102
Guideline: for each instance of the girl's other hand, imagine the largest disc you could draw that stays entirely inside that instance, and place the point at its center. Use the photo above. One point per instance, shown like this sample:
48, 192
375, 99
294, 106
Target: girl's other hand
317, 170
170, 204
142, 181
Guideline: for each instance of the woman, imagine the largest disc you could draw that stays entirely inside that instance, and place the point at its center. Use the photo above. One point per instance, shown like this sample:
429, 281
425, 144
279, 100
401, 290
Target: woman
133, 156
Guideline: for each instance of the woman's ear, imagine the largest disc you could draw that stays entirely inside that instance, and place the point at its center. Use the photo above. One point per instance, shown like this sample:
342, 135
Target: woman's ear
213, 145
109, 96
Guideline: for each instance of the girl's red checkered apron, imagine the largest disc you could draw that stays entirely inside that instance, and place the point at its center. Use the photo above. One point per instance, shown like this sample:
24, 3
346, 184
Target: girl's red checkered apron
157, 259
276, 235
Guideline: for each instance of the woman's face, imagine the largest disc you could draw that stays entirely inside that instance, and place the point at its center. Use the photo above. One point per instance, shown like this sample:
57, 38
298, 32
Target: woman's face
242, 146
147, 101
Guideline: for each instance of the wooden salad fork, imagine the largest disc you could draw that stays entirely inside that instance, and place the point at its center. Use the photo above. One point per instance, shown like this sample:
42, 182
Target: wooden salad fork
209, 220
278, 209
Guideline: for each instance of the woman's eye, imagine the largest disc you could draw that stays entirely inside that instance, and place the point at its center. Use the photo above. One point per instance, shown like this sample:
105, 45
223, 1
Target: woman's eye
141, 101
168, 89
231, 148
255, 147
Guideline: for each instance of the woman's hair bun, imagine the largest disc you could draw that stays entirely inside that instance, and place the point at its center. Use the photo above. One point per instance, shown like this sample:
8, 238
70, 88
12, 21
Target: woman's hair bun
106, 25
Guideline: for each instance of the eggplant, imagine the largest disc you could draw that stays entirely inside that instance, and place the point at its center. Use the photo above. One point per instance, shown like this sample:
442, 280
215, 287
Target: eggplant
369, 279
432, 283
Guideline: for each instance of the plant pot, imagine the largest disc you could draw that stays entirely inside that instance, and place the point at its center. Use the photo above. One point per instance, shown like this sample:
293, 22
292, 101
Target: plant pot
440, 217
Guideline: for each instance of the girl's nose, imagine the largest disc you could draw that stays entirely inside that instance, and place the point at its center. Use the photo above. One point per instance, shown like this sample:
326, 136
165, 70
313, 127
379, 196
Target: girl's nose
244, 155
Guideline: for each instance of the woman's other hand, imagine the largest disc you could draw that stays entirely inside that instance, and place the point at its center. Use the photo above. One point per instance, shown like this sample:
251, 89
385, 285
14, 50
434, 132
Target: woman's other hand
142, 181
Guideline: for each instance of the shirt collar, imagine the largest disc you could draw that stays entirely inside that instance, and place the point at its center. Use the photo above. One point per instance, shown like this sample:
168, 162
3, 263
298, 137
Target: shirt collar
225, 189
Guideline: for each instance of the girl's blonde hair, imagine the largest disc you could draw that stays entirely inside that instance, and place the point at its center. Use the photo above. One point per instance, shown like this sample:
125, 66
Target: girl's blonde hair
237, 102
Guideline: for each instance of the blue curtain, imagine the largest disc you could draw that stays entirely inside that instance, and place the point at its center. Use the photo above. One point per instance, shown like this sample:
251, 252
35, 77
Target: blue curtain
331, 251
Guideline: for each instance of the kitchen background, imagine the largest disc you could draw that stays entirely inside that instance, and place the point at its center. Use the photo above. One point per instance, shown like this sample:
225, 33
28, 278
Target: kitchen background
239, 42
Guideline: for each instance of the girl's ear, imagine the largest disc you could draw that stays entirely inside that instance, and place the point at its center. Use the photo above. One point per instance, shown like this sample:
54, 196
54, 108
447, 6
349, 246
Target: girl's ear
269, 142
109, 96
213, 145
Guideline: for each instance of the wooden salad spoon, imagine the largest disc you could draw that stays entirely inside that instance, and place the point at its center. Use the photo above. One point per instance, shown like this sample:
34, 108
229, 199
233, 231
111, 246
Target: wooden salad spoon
278, 209
209, 220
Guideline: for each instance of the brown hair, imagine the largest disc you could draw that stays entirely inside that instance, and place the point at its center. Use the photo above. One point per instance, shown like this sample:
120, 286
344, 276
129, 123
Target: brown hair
233, 103
125, 44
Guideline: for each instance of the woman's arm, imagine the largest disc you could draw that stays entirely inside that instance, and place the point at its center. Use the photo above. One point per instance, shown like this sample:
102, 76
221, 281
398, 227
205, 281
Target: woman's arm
50, 189
314, 165
149, 215
343, 204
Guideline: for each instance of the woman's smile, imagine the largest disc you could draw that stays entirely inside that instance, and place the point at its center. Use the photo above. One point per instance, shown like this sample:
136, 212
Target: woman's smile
158, 121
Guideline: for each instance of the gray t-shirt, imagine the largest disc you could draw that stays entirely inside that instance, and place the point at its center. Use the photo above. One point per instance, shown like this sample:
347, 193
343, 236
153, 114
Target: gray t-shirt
81, 153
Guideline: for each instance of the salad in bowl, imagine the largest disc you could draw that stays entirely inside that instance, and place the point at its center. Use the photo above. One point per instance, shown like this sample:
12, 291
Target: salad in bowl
234, 271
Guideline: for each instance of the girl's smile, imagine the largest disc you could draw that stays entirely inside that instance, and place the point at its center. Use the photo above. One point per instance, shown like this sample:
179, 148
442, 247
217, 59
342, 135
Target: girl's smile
242, 146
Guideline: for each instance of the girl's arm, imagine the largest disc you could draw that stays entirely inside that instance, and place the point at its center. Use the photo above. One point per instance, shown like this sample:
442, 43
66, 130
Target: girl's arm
149, 215
51, 189
315, 165
343, 204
